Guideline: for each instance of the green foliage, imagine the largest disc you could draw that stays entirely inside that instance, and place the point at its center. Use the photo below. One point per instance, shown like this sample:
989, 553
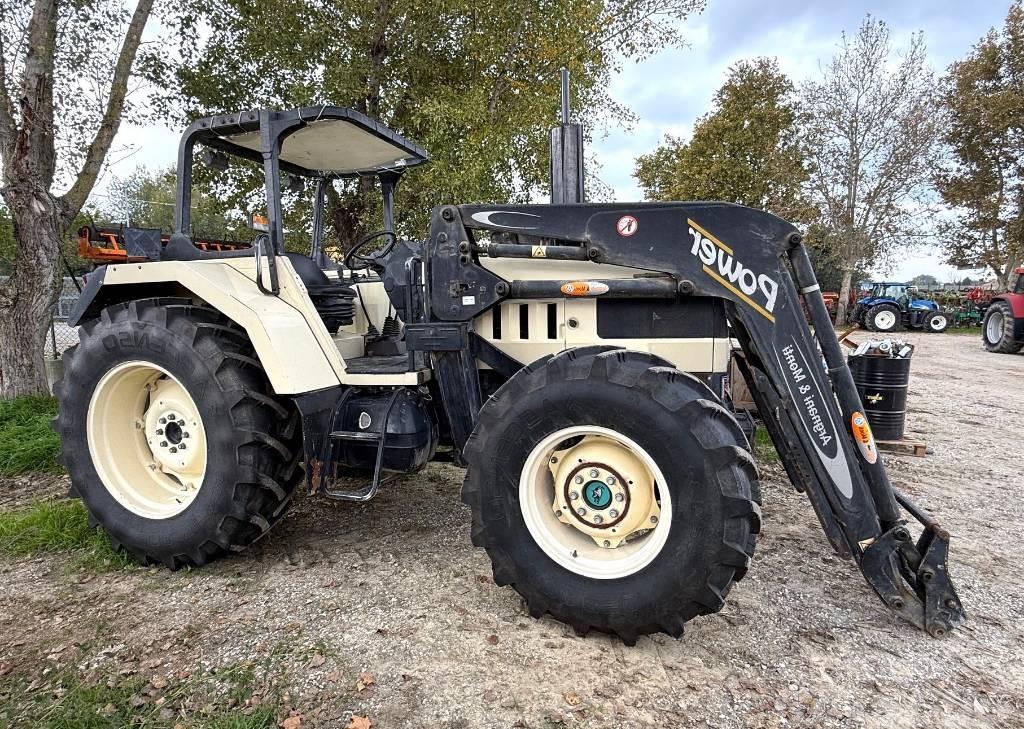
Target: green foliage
764, 449
746, 150
475, 83
27, 443
982, 179
8, 246
59, 526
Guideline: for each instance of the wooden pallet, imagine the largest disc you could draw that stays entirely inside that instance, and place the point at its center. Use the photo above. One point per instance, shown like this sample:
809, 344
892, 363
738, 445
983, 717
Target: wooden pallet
906, 446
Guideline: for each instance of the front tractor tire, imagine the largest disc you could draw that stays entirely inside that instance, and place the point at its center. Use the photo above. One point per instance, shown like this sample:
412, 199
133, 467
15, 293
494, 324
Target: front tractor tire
997, 329
171, 433
883, 318
613, 492
936, 322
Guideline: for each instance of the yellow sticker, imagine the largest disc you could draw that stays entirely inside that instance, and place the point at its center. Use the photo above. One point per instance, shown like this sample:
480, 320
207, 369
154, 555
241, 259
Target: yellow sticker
540, 251
862, 434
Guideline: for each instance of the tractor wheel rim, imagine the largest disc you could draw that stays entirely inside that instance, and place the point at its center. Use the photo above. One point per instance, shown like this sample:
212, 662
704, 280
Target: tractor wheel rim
885, 320
938, 321
994, 327
147, 440
594, 501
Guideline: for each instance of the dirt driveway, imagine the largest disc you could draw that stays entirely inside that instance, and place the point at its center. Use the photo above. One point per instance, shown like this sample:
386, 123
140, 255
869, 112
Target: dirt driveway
384, 610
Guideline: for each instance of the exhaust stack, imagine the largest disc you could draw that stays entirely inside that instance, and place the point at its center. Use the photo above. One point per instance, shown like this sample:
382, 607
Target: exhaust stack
566, 155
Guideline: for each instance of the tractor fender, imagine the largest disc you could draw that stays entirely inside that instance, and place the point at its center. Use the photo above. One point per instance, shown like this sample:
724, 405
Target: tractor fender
1016, 303
293, 345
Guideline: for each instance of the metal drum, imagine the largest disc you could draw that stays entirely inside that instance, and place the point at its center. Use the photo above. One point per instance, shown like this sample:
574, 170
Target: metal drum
882, 385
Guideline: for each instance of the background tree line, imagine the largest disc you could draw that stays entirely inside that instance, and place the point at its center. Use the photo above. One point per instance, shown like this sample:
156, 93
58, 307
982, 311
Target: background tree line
863, 154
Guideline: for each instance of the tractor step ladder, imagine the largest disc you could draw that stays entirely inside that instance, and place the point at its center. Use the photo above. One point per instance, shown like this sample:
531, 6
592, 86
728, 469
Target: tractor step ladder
368, 491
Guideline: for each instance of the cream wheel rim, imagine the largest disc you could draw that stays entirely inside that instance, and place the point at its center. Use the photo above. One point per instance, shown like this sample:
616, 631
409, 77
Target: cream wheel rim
147, 440
595, 502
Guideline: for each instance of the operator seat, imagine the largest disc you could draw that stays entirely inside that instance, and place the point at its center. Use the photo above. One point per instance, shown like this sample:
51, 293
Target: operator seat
332, 299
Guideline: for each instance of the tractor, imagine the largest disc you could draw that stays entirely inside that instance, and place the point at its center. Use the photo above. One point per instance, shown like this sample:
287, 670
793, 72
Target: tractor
889, 307
1003, 328
572, 357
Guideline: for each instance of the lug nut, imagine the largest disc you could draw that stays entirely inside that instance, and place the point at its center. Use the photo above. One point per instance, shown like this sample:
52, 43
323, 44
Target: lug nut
598, 519
606, 543
173, 449
593, 473
579, 479
619, 497
163, 421
559, 513
613, 514
581, 511
181, 446
654, 520
554, 459
163, 444
573, 495
185, 434
159, 431
181, 423
610, 480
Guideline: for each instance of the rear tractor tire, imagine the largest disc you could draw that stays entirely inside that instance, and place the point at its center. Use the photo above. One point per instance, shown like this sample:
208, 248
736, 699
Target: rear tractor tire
172, 435
613, 492
884, 318
997, 329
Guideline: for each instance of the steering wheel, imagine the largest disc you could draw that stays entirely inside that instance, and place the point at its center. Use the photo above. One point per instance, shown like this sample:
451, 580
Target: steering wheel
371, 259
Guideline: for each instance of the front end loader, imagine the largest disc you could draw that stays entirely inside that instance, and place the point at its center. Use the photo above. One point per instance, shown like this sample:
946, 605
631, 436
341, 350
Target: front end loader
571, 357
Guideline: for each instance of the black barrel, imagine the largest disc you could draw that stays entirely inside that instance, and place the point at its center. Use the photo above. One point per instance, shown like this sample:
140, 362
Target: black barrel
882, 385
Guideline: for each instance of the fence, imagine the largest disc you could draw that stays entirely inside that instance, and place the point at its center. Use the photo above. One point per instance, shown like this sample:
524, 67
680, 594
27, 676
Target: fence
61, 336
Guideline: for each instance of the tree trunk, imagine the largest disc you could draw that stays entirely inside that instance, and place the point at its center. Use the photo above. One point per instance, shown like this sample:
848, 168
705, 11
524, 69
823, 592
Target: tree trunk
28, 298
844, 295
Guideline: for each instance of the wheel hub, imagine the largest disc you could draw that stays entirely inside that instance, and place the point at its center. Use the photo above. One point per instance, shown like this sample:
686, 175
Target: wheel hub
173, 433
146, 439
603, 490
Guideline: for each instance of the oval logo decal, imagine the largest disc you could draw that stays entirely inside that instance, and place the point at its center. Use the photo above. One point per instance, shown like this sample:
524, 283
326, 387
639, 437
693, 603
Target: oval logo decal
862, 434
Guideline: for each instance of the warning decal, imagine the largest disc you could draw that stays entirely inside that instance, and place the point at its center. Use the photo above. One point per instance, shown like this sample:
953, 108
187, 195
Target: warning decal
626, 226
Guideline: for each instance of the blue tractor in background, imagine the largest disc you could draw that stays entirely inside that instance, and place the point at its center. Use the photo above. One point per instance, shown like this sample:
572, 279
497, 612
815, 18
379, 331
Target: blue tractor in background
890, 306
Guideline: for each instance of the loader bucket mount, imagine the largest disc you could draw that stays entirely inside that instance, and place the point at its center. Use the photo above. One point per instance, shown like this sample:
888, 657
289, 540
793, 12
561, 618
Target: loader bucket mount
799, 379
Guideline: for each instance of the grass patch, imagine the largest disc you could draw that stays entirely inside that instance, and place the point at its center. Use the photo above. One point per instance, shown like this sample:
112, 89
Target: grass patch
59, 526
26, 441
764, 449
210, 700
975, 331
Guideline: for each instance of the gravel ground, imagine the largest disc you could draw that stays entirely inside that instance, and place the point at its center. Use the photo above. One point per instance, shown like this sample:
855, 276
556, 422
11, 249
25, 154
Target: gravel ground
393, 589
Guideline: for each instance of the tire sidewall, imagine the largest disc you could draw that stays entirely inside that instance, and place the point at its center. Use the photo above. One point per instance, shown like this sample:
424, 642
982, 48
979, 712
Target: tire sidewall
689, 552
996, 308
133, 340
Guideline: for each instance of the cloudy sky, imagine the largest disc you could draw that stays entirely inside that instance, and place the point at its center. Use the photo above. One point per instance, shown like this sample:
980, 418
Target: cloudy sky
671, 89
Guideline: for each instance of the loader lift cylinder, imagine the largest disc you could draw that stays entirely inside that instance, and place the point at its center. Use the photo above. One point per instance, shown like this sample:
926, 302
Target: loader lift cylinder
842, 380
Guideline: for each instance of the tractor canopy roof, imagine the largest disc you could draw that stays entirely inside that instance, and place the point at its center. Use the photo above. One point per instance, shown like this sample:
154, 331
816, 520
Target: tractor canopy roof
315, 141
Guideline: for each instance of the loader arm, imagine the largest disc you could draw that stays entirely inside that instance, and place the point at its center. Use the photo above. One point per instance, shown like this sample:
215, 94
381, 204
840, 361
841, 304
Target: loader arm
803, 388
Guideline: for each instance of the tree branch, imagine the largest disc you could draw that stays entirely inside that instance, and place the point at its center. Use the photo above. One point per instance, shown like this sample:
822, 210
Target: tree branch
75, 198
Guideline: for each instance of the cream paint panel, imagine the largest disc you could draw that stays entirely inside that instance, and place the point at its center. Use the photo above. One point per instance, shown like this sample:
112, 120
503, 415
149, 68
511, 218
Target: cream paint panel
279, 331
706, 354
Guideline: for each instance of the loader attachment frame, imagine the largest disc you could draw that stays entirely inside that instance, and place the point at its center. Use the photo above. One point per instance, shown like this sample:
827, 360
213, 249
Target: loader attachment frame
799, 379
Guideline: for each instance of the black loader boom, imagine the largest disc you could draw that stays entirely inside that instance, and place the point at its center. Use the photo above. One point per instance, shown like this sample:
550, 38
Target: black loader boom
803, 388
